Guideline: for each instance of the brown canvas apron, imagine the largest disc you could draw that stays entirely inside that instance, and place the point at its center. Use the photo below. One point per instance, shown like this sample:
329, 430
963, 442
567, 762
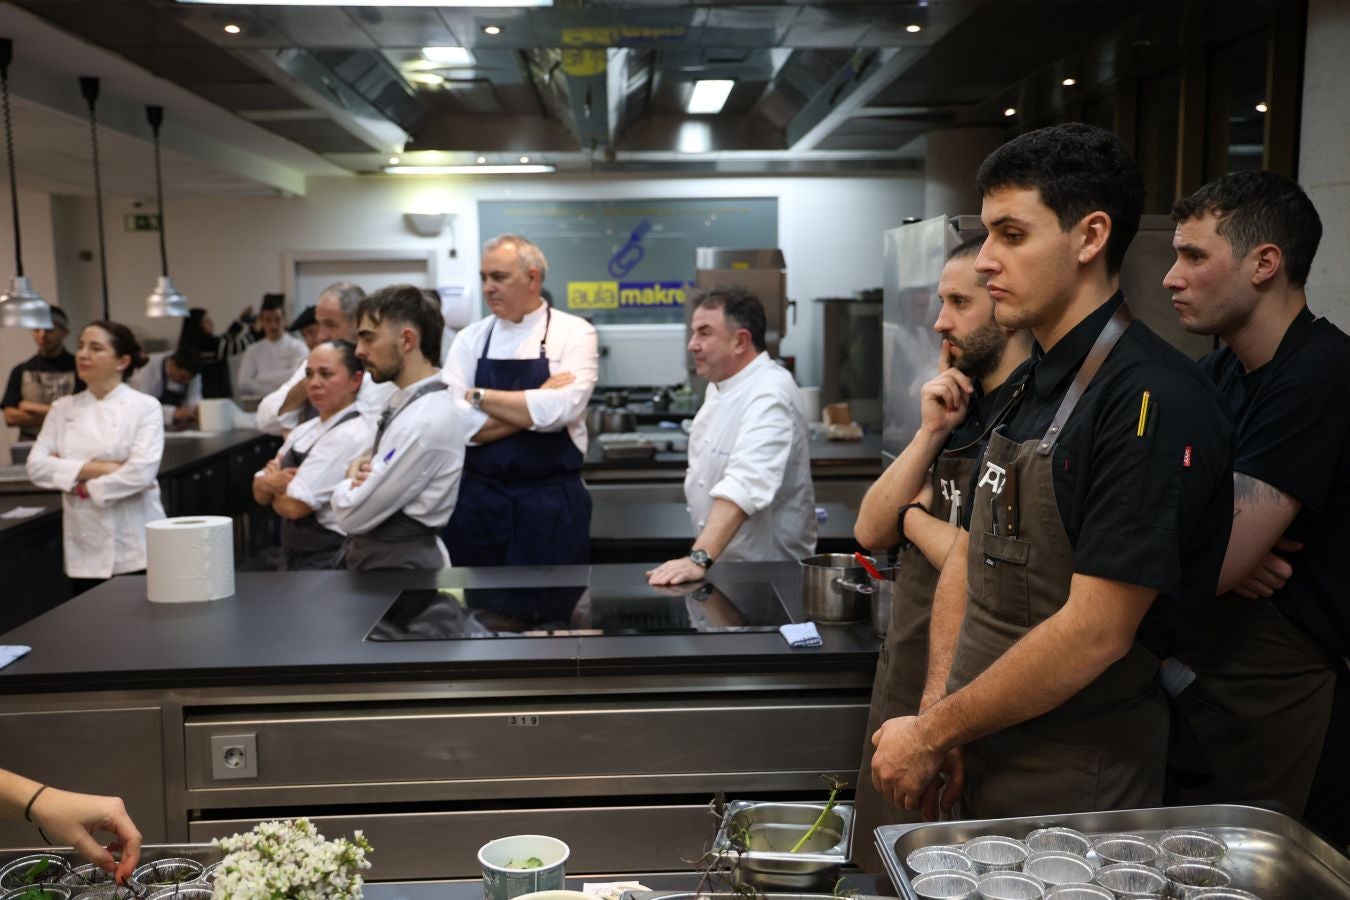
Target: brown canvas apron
902, 663
1105, 747
305, 544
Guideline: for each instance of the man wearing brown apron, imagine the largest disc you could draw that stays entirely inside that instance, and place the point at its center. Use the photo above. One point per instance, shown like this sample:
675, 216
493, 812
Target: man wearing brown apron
402, 494
919, 503
1107, 487
1269, 665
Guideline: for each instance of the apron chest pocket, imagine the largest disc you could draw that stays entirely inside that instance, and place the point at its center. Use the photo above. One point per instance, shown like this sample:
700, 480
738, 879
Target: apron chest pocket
1005, 591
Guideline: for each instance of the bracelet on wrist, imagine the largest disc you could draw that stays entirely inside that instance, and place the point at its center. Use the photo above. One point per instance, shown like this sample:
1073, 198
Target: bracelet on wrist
900, 522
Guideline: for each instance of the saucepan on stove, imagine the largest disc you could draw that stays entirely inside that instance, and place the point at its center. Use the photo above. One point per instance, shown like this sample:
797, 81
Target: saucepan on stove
835, 588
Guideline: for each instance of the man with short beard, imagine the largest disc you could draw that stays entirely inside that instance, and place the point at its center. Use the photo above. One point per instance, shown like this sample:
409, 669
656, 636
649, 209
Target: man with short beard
918, 502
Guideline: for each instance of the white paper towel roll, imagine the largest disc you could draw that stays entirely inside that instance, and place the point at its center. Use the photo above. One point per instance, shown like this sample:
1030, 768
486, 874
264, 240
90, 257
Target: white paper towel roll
189, 559
216, 414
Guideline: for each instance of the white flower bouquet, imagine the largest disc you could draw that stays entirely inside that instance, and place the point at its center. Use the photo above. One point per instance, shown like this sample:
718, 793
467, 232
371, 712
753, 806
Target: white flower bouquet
290, 860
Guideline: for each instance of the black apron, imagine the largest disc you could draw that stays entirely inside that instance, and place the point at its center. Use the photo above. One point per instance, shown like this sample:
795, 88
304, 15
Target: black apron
521, 499
305, 544
1105, 747
1262, 697
400, 541
171, 393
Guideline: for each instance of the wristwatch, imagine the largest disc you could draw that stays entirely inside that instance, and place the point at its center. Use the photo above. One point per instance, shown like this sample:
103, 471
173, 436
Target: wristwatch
476, 397
701, 558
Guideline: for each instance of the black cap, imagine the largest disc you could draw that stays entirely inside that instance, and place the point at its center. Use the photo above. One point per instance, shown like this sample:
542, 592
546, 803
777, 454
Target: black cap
304, 320
59, 318
274, 301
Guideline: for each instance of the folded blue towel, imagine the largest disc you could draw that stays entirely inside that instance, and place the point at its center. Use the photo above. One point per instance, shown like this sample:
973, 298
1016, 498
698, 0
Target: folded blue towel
803, 634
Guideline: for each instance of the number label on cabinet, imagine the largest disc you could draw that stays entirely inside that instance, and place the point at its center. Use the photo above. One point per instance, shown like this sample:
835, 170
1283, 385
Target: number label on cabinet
522, 721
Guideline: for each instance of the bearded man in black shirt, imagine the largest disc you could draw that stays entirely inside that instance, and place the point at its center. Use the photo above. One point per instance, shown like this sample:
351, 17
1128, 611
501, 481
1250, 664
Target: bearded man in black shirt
1269, 664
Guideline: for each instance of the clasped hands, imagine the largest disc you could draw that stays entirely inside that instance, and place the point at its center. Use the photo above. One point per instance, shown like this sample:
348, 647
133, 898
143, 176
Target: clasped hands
910, 771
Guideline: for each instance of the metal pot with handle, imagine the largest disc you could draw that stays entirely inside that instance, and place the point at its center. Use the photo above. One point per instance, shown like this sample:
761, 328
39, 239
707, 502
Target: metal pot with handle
835, 589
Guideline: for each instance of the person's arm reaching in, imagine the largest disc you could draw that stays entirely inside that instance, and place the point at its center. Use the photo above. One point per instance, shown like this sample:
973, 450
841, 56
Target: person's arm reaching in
66, 817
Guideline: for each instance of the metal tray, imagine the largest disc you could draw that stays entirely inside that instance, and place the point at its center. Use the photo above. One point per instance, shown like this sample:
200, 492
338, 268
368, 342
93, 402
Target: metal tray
1269, 854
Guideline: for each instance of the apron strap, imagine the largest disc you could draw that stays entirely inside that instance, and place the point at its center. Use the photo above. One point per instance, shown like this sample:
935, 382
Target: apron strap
1101, 348
390, 415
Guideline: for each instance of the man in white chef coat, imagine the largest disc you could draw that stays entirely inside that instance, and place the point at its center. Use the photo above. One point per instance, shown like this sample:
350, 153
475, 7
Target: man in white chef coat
398, 498
522, 378
288, 405
749, 481
267, 364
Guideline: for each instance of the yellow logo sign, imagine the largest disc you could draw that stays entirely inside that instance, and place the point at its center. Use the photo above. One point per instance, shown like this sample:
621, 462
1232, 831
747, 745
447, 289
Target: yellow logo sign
592, 295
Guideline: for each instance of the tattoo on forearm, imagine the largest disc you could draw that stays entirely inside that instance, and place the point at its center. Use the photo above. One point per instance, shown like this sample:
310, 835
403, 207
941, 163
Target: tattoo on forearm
1247, 488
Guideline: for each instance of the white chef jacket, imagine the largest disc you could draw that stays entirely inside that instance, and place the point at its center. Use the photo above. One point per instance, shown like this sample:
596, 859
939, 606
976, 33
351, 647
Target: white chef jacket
750, 445
571, 347
416, 470
330, 447
149, 379
370, 399
104, 535
266, 364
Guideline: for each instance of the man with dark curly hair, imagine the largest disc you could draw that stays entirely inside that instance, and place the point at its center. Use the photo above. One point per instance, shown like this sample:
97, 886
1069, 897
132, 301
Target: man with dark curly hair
1101, 502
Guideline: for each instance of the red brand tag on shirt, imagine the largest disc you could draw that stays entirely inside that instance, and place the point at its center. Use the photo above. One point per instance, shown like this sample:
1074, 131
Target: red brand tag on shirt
1186, 458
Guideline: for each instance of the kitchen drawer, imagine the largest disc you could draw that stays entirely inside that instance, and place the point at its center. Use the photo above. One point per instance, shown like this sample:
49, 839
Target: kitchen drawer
616, 839
475, 744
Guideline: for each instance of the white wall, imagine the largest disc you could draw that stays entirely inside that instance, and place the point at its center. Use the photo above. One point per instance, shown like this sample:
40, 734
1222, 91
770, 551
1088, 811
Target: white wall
225, 253
39, 264
1323, 165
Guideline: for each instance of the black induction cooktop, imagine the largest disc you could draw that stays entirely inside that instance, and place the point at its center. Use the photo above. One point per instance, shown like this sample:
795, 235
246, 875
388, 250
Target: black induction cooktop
464, 613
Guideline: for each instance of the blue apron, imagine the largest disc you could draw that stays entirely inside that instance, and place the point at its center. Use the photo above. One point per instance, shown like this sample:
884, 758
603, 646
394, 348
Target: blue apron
521, 500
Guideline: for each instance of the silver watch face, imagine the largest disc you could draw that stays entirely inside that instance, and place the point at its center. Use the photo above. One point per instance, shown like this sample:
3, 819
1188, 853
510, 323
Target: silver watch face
701, 558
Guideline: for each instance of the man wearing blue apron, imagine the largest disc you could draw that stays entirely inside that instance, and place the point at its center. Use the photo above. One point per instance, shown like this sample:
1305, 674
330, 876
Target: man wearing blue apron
1103, 499
523, 377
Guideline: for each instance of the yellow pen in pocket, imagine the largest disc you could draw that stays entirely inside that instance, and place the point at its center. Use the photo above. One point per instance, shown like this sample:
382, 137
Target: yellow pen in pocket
1143, 414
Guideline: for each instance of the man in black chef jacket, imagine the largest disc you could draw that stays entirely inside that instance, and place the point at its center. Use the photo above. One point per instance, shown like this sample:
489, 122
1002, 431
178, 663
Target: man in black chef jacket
921, 502
1269, 660
1107, 489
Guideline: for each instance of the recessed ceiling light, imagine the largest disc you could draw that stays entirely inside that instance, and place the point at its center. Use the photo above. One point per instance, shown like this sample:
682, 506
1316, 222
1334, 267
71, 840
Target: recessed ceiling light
449, 56
469, 170
709, 96
914, 29
1010, 112
492, 29
232, 29
1261, 107
481, 160
524, 160
1069, 82
427, 78
393, 160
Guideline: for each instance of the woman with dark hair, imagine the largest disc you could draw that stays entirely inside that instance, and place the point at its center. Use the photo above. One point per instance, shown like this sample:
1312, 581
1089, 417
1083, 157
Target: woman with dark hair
102, 448
198, 334
298, 484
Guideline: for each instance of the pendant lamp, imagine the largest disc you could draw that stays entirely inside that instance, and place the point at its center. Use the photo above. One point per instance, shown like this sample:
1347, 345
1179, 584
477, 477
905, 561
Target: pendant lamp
89, 87
20, 306
164, 301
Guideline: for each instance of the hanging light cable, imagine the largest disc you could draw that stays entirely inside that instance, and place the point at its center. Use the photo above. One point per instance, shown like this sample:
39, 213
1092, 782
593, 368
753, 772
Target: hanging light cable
89, 87
164, 300
20, 306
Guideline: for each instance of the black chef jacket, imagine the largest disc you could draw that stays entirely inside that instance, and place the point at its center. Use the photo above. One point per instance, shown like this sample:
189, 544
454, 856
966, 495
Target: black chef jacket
56, 376
1293, 433
964, 441
1153, 511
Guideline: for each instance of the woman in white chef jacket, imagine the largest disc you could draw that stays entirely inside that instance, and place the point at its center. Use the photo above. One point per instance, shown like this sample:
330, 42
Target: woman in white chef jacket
298, 484
102, 448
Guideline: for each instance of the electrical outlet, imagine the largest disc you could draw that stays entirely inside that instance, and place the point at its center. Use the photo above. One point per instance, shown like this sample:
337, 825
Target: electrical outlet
234, 756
